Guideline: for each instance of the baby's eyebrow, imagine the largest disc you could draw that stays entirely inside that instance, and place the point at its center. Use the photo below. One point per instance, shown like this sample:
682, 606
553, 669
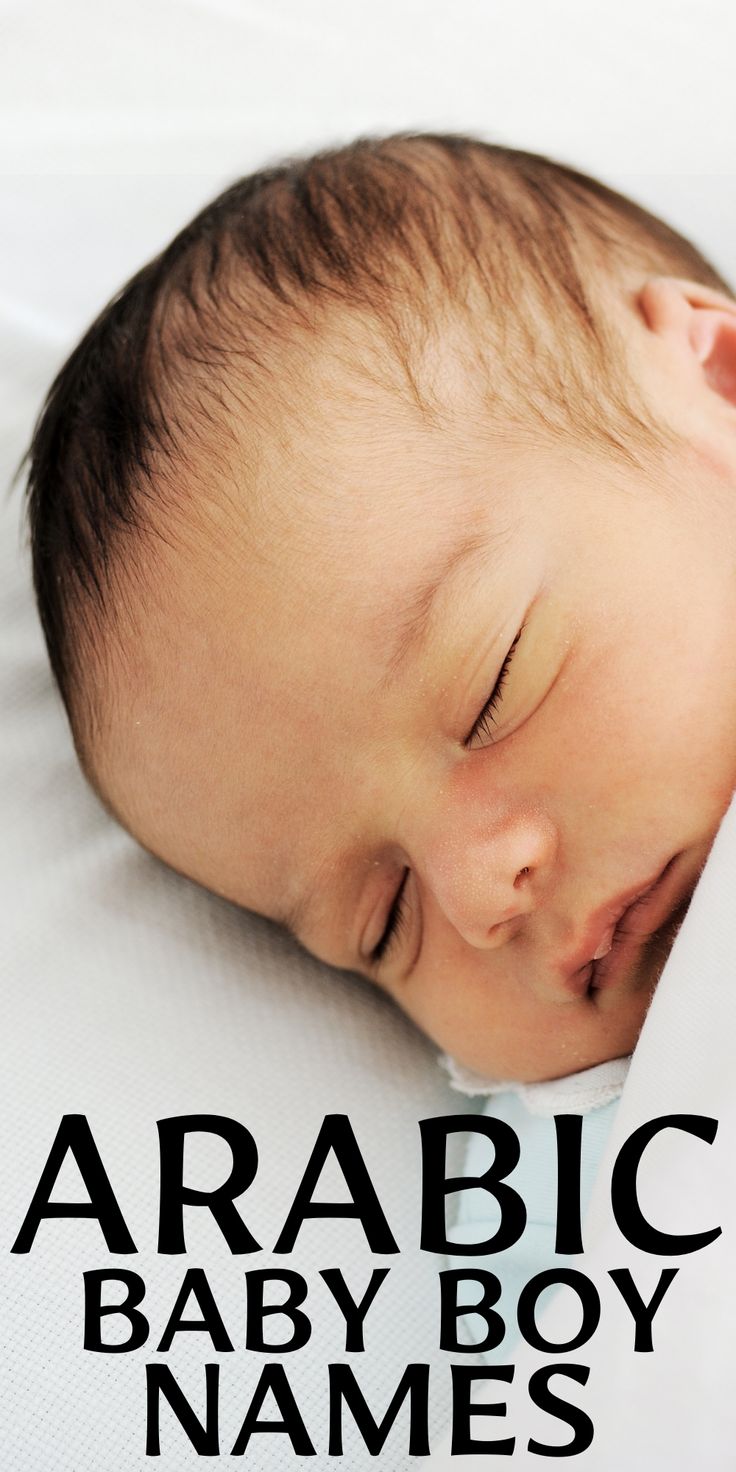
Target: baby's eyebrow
411, 625
299, 915
409, 630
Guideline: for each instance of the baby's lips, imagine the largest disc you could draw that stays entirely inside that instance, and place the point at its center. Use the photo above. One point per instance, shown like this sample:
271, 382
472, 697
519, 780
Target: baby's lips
605, 944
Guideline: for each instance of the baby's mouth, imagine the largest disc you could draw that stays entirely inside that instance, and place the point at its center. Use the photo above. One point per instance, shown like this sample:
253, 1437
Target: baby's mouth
636, 929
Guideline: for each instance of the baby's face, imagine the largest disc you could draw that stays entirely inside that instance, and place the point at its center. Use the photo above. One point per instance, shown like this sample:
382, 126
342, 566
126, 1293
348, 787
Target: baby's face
308, 732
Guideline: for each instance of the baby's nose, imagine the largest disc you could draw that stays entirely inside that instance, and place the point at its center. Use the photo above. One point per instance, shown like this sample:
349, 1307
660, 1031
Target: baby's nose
485, 885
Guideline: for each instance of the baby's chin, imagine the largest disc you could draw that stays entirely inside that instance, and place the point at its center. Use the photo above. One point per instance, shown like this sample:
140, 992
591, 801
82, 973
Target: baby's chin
600, 1037
607, 1024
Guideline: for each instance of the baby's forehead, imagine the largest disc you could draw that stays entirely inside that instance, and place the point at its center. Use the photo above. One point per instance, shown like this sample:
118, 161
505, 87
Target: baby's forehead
253, 625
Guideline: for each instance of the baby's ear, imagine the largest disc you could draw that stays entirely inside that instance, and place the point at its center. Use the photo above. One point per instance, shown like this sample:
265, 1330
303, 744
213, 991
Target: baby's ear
698, 322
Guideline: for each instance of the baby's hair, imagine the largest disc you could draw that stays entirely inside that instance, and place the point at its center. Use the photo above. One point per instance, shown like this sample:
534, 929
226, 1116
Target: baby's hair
410, 232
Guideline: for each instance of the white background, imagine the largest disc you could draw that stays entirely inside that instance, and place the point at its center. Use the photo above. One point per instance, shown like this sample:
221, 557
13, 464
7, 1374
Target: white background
640, 92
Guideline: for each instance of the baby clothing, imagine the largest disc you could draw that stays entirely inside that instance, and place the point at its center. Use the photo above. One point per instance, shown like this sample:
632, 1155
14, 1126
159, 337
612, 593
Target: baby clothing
529, 1109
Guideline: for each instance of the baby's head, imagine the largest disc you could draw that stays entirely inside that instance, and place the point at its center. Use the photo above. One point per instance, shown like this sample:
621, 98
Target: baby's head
384, 537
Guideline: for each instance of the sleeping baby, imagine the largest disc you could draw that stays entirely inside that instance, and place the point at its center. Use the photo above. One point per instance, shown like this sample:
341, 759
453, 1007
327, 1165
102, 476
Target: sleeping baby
384, 542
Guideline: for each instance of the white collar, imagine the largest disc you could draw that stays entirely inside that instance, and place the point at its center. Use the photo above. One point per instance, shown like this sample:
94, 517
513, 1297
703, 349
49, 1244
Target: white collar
577, 1093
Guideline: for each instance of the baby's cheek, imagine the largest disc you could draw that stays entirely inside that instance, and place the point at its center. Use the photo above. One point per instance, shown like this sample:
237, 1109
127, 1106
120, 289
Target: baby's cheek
700, 732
